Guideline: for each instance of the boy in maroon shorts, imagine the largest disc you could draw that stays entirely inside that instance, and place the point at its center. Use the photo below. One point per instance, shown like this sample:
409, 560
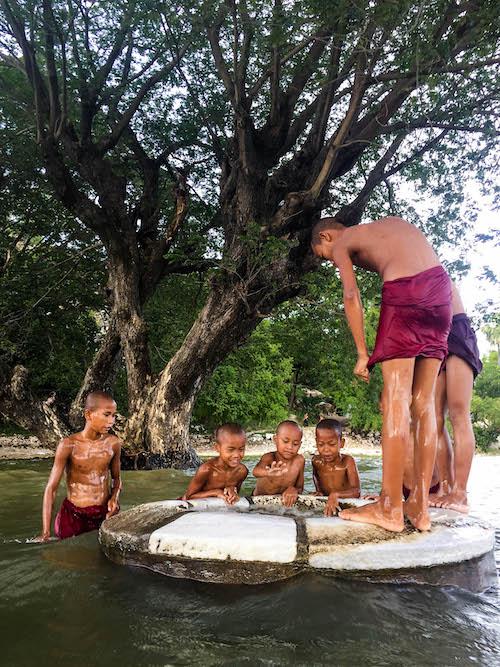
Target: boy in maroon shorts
415, 319
88, 458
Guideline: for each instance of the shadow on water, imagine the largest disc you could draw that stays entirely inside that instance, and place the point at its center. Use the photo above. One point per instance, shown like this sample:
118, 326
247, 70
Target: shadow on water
64, 603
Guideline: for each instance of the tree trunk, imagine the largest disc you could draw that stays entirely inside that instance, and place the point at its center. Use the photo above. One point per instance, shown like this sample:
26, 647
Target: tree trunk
124, 281
19, 406
161, 426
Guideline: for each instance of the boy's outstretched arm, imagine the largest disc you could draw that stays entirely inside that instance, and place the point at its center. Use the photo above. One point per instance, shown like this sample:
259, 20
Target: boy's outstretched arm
196, 485
268, 467
116, 483
353, 310
61, 457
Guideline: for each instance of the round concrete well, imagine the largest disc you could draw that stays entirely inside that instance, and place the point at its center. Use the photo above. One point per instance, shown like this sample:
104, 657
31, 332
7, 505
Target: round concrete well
258, 540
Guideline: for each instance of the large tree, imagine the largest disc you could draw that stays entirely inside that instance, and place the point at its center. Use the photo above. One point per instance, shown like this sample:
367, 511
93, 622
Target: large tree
284, 109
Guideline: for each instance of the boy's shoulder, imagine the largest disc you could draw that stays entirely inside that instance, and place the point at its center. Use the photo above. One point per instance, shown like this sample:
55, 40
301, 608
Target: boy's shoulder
347, 458
67, 443
298, 460
268, 456
114, 441
206, 466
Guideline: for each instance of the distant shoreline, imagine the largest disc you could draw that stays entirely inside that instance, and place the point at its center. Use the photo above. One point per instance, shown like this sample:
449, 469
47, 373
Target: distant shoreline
19, 447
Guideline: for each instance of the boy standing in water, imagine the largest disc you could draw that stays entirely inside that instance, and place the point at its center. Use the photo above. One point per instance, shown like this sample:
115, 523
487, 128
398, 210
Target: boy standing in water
88, 457
335, 475
222, 476
282, 471
412, 341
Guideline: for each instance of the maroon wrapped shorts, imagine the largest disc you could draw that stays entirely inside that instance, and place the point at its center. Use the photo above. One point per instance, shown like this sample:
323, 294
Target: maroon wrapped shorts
415, 317
72, 520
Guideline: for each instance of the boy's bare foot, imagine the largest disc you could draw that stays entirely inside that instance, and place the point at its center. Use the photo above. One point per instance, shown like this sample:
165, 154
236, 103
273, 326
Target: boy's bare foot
456, 500
379, 514
417, 515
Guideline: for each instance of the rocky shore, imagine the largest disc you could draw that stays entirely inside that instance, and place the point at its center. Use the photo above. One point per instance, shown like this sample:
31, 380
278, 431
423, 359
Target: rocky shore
261, 442
29, 447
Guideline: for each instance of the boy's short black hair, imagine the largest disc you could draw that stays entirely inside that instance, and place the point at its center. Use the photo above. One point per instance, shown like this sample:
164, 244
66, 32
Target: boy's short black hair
323, 225
287, 422
94, 397
231, 428
330, 425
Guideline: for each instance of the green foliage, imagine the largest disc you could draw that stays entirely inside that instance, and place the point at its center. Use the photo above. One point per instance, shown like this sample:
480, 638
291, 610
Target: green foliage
485, 408
250, 387
51, 273
313, 331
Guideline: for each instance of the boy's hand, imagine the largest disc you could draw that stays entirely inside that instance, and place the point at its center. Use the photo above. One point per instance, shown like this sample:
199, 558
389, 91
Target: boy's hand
231, 495
332, 505
44, 537
276, 469
289, 496
370, 496
113, 507
360, 369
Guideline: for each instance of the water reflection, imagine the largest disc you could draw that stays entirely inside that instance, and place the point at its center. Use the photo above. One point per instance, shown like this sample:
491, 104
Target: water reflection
65, 603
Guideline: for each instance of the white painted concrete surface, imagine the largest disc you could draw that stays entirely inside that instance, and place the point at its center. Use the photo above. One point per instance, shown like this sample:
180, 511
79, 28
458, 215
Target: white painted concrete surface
223, 535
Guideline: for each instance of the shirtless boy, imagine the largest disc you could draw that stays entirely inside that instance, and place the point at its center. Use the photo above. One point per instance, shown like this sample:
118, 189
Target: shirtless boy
335, 475
453, 396
88, 458
415, 319
222, 476
282, 471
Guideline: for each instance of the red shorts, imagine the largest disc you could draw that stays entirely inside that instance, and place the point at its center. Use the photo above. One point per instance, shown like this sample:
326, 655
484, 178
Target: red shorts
72, 520
415, 317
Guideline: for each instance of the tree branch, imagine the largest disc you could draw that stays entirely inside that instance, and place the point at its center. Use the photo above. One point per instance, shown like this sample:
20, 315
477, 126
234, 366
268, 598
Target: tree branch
111, 141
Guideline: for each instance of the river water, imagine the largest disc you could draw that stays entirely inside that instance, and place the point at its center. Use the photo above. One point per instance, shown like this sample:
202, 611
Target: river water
65, 604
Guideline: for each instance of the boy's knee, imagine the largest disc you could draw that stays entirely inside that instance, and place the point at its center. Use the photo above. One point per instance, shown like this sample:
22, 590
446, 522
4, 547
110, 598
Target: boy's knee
458, 409
422, 404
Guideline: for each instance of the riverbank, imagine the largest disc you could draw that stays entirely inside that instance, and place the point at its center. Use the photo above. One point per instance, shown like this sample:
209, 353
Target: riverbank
29, 447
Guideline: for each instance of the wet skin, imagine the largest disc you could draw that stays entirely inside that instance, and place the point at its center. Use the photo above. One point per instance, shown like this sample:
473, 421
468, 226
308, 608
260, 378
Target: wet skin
335, 475
88, 458
282, 471
222, 476
453, 397
394, 249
